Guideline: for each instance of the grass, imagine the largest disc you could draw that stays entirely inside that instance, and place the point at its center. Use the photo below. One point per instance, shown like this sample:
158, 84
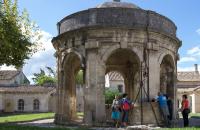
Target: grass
18, 127
80, 114
192, 128
191, 115
25, 117
195, 115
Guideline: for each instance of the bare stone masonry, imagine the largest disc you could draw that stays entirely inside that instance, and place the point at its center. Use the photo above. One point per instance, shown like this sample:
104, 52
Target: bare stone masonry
112, 37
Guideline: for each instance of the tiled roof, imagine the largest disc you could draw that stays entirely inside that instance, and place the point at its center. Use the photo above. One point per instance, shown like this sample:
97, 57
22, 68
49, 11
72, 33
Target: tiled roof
8, 74
26, 89
188, 76
115, 76
189, 90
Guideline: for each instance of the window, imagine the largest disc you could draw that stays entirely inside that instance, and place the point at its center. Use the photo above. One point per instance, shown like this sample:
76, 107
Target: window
120, 88
20, 104
36, 104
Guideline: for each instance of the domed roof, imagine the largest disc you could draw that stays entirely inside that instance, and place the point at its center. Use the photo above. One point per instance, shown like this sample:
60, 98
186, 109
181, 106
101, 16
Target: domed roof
118, 4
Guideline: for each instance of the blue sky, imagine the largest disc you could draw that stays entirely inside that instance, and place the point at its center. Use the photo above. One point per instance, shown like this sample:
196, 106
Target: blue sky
184, 13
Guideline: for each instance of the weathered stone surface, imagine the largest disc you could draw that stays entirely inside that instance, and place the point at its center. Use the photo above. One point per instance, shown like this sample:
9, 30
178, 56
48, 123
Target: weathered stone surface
101, 40
141, 127
118, 17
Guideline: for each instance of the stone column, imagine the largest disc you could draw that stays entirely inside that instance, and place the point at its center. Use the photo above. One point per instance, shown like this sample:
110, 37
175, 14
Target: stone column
130, 83
69, 94
154, 75
94, 109
59, 90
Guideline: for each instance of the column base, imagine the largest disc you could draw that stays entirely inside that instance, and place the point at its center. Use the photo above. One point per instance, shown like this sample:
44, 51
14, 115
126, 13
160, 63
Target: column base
61, 119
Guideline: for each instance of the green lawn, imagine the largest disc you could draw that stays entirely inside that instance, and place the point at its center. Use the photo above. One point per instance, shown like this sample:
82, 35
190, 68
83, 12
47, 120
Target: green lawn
80, 114
24, 117
195, 115
180, 129
17, 127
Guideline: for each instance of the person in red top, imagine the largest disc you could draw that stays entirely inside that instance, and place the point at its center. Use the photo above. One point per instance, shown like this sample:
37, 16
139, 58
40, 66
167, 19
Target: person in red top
185, 110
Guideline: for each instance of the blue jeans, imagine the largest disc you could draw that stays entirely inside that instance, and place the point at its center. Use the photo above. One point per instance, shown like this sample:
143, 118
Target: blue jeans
125, 116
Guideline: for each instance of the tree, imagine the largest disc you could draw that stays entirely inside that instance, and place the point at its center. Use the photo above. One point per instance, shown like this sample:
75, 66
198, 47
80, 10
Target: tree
43, 77
79, 78
110, 95
18, 35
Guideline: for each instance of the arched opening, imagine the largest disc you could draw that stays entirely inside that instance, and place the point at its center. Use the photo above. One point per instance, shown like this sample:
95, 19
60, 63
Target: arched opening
126, 64
114, 85
73, 77
21, 105
36, 105
167, 76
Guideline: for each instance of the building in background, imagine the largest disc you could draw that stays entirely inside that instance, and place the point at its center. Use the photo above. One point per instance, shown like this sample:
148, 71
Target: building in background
189, 83
17, 95
12, 78
115, 81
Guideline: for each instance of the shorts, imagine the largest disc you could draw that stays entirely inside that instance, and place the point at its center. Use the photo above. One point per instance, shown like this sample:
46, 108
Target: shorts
115, 115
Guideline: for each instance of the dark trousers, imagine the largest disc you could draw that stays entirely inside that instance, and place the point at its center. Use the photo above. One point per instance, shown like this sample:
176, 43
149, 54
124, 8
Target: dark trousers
185, 118
125, 116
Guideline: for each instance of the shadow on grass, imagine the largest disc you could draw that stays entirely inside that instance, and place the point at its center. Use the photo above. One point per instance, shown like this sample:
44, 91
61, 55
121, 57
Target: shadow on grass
20, 127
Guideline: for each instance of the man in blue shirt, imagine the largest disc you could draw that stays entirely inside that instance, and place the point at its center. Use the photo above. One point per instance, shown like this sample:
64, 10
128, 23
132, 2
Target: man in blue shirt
162, 100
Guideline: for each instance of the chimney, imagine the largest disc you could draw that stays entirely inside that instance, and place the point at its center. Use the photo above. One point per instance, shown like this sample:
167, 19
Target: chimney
116, 0
196, 68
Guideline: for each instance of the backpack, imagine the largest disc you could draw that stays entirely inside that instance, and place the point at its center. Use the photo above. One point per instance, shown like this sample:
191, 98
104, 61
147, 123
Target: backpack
126, 105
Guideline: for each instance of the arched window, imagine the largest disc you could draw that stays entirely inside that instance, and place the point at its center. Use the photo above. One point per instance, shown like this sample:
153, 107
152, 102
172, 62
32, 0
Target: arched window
36, 104
20, 104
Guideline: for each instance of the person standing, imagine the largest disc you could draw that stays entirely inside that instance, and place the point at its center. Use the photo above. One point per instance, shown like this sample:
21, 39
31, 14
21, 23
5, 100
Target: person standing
126, 106
170, 107
185, 110
162, 100
116, 111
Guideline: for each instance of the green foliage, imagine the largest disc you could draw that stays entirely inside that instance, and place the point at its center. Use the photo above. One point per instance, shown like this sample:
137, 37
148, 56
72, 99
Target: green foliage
42, 77
110, 95
46, 79
25, 117
18, 35
79, 77
23, 127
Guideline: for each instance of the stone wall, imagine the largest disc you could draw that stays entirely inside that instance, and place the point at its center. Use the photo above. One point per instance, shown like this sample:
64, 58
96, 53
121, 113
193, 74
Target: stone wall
197, 102
12, 99
1, 102
135, 114
116, 17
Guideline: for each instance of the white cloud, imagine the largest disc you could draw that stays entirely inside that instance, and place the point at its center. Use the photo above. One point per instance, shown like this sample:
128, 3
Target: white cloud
190, 68
4, 67
194, 51
198, 31
45, 46
185, 68
42, 58
187, 59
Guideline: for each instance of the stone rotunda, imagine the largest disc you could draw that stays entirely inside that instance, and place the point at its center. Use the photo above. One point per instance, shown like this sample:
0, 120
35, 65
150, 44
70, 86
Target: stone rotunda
139, 44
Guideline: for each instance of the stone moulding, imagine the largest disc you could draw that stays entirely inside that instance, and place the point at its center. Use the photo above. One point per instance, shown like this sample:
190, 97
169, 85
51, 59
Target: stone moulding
117, 17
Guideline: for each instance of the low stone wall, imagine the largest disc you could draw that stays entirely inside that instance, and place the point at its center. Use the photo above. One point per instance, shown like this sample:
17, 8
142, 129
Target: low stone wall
135, 114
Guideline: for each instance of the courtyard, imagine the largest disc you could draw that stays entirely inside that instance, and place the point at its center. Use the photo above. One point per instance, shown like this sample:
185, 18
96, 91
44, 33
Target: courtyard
44, 121
105, 58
